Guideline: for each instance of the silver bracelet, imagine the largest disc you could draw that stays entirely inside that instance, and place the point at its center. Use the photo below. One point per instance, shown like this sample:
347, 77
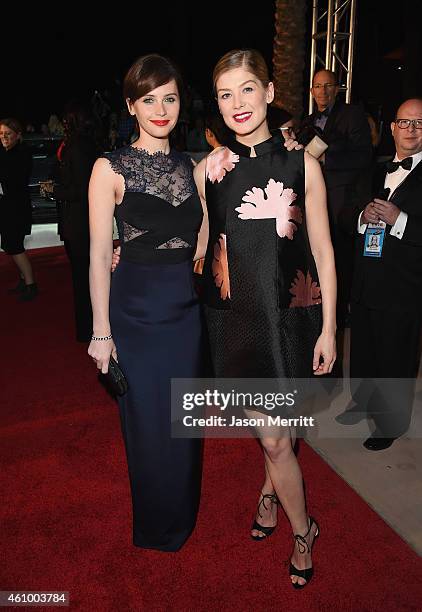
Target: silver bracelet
109, 337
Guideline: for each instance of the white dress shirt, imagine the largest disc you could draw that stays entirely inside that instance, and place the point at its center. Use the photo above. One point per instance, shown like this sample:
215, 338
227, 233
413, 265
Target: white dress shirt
392, 181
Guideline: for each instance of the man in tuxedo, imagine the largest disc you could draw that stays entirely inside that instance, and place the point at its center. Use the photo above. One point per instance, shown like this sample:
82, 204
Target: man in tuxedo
346, 166
387, 289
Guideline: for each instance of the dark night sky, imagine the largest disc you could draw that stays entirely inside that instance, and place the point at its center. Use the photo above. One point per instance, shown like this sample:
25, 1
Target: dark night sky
50, 61
77, 56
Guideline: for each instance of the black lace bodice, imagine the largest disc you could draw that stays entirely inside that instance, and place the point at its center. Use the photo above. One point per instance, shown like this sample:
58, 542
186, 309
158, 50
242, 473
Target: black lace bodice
160, 214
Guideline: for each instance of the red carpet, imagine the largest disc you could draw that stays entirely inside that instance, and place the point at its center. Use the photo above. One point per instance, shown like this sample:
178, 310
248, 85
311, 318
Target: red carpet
65, 511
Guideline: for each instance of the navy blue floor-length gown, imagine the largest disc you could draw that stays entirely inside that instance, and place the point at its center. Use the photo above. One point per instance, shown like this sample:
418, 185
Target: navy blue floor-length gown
155, 321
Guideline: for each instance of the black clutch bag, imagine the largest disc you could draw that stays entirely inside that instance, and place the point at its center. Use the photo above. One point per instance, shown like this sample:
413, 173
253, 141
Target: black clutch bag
115, 377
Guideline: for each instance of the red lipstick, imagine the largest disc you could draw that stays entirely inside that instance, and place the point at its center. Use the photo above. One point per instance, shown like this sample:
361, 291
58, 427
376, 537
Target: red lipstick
160, 122
242, 117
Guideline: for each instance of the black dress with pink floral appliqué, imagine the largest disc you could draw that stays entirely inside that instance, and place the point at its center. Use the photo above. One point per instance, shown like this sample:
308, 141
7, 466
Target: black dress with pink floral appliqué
261, 288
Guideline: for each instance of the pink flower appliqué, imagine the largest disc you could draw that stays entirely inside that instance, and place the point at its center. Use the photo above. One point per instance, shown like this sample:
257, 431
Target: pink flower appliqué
305, 291
277, 205
220, 267
219, 162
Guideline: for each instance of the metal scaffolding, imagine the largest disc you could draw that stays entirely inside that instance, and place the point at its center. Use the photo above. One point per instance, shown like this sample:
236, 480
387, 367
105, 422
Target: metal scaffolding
333, 26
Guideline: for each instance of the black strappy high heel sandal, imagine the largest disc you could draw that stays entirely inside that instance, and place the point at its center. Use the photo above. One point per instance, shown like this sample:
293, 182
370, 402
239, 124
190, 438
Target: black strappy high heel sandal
266, 530
303, 547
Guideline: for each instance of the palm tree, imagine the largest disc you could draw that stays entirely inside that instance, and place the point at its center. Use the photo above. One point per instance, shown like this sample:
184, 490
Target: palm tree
289, 54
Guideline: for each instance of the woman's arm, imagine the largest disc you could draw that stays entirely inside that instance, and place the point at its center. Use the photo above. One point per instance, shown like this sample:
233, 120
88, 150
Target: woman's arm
199, 177
322, 250
102, 198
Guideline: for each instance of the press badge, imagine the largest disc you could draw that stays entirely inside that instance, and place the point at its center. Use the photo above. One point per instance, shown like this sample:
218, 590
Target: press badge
374, 239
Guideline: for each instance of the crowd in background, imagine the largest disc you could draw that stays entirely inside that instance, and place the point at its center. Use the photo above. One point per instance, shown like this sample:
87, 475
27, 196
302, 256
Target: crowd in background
119, 127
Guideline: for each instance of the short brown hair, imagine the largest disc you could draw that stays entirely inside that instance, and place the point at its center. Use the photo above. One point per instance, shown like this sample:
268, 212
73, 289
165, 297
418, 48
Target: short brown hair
250, 59
148, 73
12, 124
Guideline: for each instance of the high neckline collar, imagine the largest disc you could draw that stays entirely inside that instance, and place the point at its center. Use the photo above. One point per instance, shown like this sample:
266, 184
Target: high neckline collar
275, 142
143, 151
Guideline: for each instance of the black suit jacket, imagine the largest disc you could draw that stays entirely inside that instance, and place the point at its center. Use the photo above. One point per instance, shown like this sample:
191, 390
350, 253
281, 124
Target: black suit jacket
349, 154
395, 279
78, 157
15, 203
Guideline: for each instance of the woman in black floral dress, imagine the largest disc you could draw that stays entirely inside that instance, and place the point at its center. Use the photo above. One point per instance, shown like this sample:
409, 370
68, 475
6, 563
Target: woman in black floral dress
268, 272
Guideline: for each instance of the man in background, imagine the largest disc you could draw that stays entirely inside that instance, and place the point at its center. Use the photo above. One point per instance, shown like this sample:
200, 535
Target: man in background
346, 166
387, 289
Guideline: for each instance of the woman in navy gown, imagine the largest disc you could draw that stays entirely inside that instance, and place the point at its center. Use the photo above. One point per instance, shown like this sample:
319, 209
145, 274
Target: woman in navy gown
149, 318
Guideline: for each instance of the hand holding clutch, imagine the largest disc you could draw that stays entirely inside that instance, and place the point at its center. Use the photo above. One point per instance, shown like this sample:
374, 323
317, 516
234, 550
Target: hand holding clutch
116, 378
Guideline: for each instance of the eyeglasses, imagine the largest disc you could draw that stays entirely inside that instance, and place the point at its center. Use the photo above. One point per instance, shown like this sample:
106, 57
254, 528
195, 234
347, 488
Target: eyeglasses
324, 86
403, 124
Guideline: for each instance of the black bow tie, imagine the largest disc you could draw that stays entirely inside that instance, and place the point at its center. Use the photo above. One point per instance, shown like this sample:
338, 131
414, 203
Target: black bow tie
406, 164
320, 114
